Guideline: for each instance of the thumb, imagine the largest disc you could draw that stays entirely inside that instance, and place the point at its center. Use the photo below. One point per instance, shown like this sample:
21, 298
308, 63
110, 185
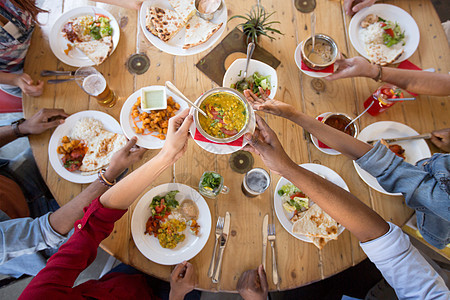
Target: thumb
186, 123
436, 141
359, 6
130, 144
27, 79
263, 278
255, 141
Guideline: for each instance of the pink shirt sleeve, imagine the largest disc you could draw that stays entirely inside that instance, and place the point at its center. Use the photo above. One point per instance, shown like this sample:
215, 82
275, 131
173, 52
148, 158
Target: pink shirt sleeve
57, 278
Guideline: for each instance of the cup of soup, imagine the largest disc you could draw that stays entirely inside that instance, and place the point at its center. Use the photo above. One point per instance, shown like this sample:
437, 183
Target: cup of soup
325, 52
340, 121
228, 115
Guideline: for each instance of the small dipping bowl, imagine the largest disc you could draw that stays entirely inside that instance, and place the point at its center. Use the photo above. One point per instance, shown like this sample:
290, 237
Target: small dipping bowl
339, 121
153, 98
207, 16
320, 38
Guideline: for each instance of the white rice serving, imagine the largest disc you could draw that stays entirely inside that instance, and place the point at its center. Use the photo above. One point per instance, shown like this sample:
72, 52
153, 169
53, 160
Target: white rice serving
86, 129
373, 34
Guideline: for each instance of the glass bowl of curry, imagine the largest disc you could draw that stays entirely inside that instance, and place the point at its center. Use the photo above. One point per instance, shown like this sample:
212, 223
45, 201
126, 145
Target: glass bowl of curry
228, 115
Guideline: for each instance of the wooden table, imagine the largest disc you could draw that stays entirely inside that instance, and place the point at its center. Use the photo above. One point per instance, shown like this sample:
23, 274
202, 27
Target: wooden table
299, 263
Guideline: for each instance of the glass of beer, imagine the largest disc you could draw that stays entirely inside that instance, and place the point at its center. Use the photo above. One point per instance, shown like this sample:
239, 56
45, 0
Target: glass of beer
94, 84
256, 181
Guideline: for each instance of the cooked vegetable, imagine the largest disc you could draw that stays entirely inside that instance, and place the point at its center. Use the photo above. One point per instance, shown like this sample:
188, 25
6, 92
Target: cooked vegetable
393, 33
161, 206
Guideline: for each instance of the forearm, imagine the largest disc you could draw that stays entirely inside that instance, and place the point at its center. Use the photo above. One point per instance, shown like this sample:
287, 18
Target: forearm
419, 82
63, 219
7, 135
123, 194
338, 140
342, 206
8, 78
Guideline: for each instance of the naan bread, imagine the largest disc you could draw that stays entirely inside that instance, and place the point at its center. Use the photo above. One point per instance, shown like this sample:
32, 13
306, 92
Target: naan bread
199, 31
96, 50
316, 223
100, 150
166, 22
149, 24
382, 55
319, 242
185, 8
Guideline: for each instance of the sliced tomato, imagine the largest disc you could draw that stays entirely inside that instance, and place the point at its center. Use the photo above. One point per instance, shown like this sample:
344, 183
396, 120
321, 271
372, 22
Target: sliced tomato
298, 194
229, 132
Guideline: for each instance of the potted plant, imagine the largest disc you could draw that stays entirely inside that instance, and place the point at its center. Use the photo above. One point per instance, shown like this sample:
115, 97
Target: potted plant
256, 23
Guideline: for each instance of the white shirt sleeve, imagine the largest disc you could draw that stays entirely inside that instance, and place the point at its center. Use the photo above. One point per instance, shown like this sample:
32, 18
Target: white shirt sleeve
404, 268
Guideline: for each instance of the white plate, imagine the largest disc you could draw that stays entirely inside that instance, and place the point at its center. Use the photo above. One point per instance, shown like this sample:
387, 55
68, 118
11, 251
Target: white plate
238, 67
175, 45
316, 141
415, 150
58, 43
284, 217
149, 245
146, 141
64, 129
298, 62
390, 13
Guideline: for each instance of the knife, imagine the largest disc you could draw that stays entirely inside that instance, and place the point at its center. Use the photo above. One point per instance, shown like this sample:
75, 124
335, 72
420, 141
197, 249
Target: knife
264, 233
414, 137
223, 244
45, 73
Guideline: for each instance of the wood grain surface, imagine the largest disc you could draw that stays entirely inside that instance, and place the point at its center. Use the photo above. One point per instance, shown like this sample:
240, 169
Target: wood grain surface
299, 263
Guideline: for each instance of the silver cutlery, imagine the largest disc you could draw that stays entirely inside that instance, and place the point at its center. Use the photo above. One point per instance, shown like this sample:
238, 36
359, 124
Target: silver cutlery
313, 31
223, 244
219, 229
265, 233
359, 116
271, 238
45, 73
55, 81
401, 99
250, 49
406, 138
174, 89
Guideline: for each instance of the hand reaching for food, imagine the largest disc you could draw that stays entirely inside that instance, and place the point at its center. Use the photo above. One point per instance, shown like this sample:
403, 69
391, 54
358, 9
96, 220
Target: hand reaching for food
27, 85
353, 6
441, 138
124, 158
182, 280
267, 105
43, 120
253, 284
353, 67
177, 136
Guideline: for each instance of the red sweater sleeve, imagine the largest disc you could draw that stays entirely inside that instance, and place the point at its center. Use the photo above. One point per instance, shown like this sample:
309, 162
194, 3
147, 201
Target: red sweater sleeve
56, 280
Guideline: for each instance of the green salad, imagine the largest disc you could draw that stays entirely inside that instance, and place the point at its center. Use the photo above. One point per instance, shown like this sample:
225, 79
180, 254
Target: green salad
294, 200
393, 34
161, 206
253, 83
100, 28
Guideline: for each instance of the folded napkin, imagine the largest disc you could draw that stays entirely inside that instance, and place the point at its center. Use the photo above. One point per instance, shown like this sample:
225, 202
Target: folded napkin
407, 65
237, 143
329, 69
322, 145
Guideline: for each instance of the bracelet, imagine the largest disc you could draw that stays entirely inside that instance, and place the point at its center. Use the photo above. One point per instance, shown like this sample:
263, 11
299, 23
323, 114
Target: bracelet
380, 73
103, 180
15, 128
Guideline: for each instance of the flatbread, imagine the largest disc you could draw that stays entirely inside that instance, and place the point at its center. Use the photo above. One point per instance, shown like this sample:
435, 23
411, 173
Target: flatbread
319, 242
166, 22
149, 24
96, 50
382, 55
316, 223
100, 151
185, 8
199, 31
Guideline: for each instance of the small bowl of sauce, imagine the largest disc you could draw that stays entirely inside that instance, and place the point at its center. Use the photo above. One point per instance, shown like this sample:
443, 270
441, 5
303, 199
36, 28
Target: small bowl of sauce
325, 52
153, 98
340, 121
206, 9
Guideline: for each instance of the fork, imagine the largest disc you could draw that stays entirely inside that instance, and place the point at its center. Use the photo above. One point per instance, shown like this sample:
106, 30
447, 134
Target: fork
219, 229
271, 238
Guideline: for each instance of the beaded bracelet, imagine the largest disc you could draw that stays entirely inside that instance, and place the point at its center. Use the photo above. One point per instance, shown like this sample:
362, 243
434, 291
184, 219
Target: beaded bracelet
103, 180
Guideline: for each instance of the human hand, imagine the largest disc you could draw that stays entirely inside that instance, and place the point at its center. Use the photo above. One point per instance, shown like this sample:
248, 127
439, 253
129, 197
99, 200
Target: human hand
267, 105
353, 6
265, 143
182, 280
26, 84
353, 67
177, 136
43, 120
441, 138
124, 158
253, 284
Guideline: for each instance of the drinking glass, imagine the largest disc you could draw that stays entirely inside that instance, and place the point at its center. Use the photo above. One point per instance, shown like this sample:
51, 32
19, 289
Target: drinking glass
380, 97
212, 192
94, 84
256, 181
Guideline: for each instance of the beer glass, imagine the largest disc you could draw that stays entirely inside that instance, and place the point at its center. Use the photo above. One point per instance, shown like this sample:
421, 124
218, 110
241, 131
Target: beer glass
256, 181
94, 84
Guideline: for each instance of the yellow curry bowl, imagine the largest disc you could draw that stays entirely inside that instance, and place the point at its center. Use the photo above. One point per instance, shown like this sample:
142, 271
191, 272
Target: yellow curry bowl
229, 115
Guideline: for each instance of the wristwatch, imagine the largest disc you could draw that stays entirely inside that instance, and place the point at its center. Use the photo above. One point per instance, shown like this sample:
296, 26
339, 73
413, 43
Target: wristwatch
15, 127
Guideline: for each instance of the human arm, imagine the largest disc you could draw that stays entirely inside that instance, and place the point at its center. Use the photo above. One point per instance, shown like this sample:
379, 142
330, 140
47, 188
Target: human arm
131, 4
253, 285
441, 138
37, 124
353, 6
419, 82
182, 281
336, 139
24, 82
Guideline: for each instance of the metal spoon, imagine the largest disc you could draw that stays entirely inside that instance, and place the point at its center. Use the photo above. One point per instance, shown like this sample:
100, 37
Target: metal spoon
359, 116
313, 30
174, 89
250, 49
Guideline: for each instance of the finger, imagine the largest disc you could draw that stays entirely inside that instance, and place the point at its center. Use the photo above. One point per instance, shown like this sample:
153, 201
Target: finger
49, 113
440, 133
177, 271
40, 84
359, 6
263, 94
189, 270
176, 121
438, 142
263, 278
130, 144
27, 79
253, 97
186, 124
348, 6
52, 124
